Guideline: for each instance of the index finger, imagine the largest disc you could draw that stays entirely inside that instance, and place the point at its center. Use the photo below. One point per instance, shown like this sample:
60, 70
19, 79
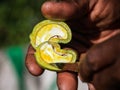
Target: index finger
31, 63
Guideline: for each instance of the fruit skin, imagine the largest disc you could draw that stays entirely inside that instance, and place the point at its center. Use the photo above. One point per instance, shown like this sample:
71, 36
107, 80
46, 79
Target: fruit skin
37, 44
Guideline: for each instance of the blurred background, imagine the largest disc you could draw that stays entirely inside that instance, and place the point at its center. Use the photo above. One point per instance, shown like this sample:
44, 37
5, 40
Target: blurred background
17, 19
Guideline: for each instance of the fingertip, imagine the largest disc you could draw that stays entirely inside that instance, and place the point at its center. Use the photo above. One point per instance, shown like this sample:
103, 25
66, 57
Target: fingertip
67, 81
35, 71
91, 87
58, 10
33, 68
31, 63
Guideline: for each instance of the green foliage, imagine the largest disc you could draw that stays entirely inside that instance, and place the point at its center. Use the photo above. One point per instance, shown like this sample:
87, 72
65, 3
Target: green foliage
17, 18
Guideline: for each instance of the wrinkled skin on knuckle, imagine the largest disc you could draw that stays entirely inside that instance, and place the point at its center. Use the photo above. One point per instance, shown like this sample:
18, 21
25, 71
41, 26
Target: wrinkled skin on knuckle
105, 12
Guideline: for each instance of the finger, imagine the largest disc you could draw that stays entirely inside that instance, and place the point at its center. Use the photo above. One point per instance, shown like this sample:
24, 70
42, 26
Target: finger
67, 81
31, 63
60, 10
91, 87
99, 57
105, 12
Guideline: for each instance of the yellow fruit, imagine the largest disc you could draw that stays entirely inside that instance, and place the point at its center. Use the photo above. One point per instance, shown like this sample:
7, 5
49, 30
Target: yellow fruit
45, 38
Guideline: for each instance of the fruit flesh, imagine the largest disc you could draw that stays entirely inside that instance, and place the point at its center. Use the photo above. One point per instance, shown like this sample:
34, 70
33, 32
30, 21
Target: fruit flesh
50, 30
54, 55
45, 38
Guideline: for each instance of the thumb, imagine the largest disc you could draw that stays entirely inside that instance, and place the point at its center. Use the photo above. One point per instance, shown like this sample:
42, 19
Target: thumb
99, 57
64, 9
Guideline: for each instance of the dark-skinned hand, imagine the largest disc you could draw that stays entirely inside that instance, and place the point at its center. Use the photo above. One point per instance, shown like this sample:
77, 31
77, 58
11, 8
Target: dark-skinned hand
95, 26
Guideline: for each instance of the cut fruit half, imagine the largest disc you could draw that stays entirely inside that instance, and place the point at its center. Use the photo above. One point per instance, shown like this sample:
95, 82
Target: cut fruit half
45, 38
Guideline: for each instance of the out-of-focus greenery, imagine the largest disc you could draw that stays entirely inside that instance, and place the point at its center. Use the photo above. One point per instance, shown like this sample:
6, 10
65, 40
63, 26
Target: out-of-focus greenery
17, 19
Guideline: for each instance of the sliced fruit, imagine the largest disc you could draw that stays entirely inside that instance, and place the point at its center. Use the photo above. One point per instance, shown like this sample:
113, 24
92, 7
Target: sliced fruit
45, 38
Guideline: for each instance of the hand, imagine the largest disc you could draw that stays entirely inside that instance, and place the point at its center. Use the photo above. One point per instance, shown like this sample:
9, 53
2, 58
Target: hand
95, 27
